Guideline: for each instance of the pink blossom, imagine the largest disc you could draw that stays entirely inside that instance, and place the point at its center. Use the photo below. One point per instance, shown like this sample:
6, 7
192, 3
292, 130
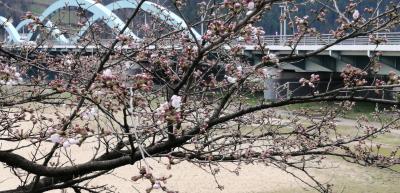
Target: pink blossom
89, 114
302, 81
356, 14
251, 5
71, 141
107, 74
231, 80
11, 75
68, 62
270, 58
66, 144
314, 78
55, 138
160, 112
50, 130
157, 185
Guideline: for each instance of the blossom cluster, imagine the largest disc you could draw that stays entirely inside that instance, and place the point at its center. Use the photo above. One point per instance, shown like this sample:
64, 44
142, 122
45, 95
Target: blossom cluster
66, 142
393, 78
231, 79
35, 20
345, 24
321, 16
156, 182
314, 79
238, 5
107, 74
250, 32
353, 76
374, 39
57, 85
265, 73
9, 75
89, 113
165, 112
143, 81
301, 22
123, 38
270, 59
217, 28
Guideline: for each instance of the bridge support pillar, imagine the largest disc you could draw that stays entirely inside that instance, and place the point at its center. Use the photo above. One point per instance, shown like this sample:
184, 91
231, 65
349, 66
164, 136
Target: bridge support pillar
271, 83
341, 61
356, 61
389, 64
320, 64
297, 67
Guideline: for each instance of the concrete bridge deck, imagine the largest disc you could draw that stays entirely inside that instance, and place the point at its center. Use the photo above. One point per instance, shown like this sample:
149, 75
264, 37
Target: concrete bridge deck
356, 51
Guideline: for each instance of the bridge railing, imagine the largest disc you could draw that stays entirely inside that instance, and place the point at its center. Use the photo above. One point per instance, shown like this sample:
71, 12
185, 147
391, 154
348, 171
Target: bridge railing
52, 43
392, 38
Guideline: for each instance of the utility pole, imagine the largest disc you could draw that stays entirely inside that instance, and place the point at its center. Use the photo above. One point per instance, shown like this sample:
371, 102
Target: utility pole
377, 14
283, 24
145, 19
202, 24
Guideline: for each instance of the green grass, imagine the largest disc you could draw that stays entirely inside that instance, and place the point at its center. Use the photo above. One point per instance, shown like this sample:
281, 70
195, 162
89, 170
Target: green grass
390, 139
360, 109
366, 109
350, 178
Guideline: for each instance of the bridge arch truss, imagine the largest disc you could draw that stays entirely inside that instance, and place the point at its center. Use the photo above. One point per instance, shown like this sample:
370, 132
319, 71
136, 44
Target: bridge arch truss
100, 12
10, 29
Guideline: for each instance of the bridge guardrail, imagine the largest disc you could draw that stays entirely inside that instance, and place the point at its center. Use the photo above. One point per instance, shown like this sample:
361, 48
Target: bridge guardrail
392, 38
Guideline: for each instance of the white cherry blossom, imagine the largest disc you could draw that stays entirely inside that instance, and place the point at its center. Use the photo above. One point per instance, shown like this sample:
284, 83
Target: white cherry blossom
90, 113
231, 80
55, 138
251, 5
156, 185
107, 74
176, 101
66, 144
356, 14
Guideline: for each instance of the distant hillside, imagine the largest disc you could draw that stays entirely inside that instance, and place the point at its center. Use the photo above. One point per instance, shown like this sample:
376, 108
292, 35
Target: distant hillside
17, 8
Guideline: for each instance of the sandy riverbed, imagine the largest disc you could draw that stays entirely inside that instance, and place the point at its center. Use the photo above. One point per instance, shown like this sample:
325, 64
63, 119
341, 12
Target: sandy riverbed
253, 178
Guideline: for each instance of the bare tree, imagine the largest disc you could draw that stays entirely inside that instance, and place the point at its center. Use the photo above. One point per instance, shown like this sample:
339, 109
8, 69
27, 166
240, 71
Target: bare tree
188, 99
